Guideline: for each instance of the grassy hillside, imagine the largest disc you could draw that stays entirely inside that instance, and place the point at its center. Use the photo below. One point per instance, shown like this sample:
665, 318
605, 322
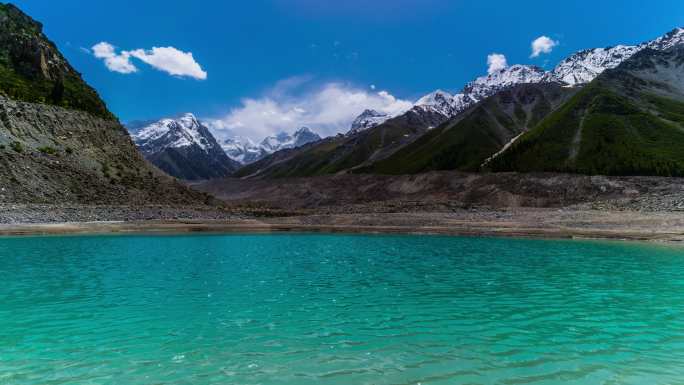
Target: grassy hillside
476, 134
629, 121
33, 70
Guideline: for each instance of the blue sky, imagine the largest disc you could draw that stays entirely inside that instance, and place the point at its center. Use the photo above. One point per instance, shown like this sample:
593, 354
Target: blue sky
277, 53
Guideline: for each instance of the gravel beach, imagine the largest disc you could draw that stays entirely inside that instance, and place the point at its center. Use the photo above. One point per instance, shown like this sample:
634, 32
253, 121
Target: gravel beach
539, 205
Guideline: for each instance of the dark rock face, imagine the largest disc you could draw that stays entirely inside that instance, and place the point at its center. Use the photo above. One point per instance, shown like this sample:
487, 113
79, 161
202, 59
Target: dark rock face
192, 163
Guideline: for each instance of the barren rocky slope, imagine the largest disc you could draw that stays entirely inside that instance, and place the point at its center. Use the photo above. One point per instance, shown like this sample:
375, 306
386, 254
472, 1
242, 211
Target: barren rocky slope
50, 154
58, 141
447, 190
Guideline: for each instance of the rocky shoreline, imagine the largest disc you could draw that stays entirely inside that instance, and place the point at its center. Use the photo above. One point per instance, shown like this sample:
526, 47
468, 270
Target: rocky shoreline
61, 213
538, 205
516, 222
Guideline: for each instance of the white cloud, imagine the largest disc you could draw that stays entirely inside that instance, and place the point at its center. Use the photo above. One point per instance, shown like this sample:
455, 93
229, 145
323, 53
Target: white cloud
171, 60
115, 62
167, 59
328, 109
542, 44
495, 62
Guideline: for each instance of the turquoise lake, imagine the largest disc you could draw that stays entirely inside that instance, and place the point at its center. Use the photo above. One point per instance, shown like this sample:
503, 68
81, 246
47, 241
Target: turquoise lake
338, 309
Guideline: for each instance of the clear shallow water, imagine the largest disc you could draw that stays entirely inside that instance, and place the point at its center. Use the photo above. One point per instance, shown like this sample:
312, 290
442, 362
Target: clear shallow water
337, 309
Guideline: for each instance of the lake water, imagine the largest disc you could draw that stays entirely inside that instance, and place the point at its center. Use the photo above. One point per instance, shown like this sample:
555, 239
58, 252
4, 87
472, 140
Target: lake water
338, 309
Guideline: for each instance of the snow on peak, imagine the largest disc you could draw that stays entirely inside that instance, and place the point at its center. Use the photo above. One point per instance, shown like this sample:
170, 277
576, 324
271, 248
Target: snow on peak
434, 97
184, 131
283, 140
449, 105
486, 86
303, 136
302, 131
367, 119
669, 40
242, 149
580, 68
584, 66
276, 142
189, 121
245, 151
441, 102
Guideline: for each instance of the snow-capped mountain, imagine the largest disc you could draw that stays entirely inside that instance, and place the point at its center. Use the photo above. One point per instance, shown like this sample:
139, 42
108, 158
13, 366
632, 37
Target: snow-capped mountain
580, 68
245, 151
277, 142
134, 126
184, 148
284, 140
242, 150
368, 118
447, 105
486, 86
165, 133
304, 136
443, 103
584, 66
668, 40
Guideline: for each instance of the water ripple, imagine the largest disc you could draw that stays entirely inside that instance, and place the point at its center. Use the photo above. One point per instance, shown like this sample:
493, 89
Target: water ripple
311, 309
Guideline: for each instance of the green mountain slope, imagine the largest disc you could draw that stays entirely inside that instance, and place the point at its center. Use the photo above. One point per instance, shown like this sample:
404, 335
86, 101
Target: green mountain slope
33, 70
340, 153
628, 121
466, 141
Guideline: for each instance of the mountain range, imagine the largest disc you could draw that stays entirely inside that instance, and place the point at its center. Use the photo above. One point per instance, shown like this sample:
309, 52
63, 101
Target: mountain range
616, 111
185, 148
466, 141
461, 131
245, 151
467, 130
578, 69
628, 121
